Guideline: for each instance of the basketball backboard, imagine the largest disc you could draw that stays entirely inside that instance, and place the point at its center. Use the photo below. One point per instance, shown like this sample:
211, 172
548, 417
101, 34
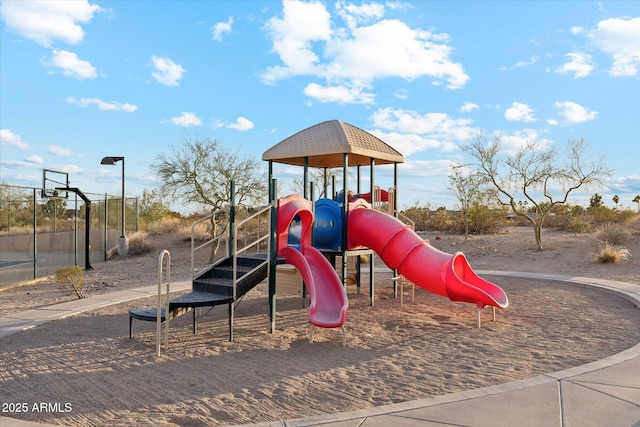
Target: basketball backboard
52, 182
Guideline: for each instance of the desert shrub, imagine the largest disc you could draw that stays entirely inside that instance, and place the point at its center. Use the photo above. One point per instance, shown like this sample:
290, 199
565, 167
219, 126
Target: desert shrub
139, 243
613, 233
558, 221
634, 224
419, 215
627, 217
201, 232
483, 220
579, 225
439, 221
602, 215
73, 278
611, 254
164, 225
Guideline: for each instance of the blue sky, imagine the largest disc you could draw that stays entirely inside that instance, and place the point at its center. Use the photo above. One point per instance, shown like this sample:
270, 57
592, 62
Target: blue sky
82, 80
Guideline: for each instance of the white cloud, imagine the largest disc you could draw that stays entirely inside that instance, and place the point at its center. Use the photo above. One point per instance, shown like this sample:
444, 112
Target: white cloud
45, 21
351, 57
187, 119
60, 151
409, 131
301, 24
574, 113
338, 94
9, 138
30, 162
579, 64
513, 142
520, 64
390, 48
242, 124
102, 105
166, 71
620, 38
222, 27
401, 94
424, 168
354, 15
71, 65
529, 61
468, 107
519, 112
35, 159
575, 30
409, 143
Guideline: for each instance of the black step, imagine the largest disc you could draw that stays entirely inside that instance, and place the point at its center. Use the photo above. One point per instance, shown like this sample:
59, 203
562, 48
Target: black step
150, 314
213, 285
199, 299
219, 278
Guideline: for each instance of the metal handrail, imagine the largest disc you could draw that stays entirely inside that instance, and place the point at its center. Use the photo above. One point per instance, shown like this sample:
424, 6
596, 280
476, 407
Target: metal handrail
395, 212
194, 248
226, 232
246, 247
163, 304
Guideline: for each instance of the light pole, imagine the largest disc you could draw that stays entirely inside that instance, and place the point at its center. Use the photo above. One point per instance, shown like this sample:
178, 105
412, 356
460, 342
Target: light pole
123, 243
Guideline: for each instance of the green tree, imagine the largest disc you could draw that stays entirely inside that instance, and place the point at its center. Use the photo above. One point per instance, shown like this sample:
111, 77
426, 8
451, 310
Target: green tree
466, 187
200, 171
533, 171
616, 199
595, 201
11, 201
54, 207
152, 205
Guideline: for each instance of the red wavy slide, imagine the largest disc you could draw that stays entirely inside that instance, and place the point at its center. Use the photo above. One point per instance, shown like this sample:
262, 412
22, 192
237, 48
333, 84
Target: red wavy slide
436, 271
328, 298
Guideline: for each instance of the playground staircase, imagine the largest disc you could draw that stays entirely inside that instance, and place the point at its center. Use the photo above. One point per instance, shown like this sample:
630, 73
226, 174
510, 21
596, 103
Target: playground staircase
212, 287
250, 270
215, 286
224, 281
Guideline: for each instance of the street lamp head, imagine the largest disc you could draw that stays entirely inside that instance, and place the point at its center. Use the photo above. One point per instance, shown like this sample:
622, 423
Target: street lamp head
111, 160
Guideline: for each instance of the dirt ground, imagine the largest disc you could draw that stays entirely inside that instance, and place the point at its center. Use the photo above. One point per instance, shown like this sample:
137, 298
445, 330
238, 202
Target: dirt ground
394, 353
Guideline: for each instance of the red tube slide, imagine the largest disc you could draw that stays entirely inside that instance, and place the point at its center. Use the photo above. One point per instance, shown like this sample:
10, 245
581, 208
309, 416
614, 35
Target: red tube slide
329, 303
436, 271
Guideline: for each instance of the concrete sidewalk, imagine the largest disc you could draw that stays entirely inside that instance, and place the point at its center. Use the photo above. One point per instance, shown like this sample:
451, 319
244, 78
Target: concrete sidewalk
601, 393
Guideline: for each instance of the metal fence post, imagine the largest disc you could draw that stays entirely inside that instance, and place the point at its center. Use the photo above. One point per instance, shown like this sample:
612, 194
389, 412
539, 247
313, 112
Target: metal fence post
35, 237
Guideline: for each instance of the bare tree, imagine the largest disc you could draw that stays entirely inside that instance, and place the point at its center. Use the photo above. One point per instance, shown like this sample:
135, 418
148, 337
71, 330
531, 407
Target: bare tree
466, 187
201, 171
317, 177
532, 172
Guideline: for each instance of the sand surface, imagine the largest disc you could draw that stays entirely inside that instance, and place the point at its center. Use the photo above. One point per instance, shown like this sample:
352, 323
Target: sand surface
88, 371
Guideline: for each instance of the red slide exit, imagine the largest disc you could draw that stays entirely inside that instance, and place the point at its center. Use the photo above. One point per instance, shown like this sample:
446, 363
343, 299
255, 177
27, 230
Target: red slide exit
431, 269
329, 303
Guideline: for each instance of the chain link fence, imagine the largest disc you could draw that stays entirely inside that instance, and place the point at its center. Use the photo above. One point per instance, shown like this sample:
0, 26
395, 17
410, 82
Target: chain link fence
40, 234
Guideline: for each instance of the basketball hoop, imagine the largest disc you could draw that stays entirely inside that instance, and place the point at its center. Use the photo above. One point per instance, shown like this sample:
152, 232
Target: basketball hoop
54, 184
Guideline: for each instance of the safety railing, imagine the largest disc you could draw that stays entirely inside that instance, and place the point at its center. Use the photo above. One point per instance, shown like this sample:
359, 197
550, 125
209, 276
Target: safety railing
219, 220
162, 306
392, 206
261, 220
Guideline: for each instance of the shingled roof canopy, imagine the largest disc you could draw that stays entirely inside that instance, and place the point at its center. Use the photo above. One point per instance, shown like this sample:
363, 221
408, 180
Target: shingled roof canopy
325, 144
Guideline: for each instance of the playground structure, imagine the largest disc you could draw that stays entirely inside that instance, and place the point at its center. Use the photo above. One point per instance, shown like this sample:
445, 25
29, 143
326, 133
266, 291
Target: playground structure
353, 225
307, 235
